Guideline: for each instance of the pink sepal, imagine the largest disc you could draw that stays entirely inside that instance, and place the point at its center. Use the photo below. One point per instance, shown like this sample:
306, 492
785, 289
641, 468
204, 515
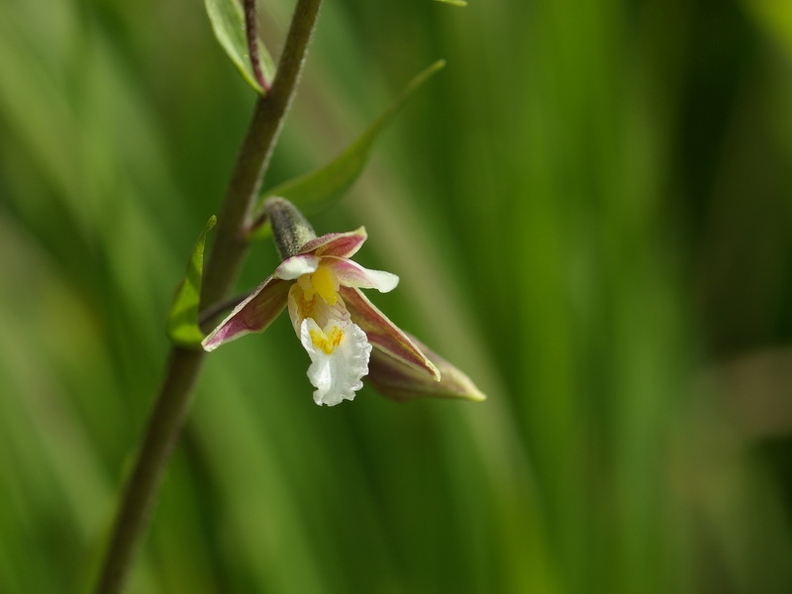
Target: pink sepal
397, 381
383, 334
254, 314
340, 245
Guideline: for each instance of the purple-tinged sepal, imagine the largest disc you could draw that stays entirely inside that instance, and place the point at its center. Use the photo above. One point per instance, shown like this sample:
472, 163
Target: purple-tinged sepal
340, 245
254, 314
384, 334
395, 380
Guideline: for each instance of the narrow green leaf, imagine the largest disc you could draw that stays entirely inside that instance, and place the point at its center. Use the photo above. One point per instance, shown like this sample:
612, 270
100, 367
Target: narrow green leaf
228, 23
317, 189
183, 326
453, 2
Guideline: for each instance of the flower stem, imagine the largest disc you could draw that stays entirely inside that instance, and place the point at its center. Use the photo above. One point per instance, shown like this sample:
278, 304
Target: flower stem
184, 365
218, 308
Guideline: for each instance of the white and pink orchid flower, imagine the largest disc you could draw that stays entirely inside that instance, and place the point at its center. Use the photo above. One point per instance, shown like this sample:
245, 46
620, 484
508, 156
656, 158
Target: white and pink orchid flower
334, 321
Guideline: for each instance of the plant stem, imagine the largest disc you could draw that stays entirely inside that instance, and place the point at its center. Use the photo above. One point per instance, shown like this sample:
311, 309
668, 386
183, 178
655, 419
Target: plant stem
162, 434
251, 32
224, 306
230, 240
184, 365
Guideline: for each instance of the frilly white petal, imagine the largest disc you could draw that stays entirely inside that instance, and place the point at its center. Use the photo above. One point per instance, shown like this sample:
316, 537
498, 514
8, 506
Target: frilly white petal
294, 267
337, 375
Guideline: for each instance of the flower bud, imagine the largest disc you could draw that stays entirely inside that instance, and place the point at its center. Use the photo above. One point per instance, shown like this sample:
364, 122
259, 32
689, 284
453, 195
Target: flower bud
290, 228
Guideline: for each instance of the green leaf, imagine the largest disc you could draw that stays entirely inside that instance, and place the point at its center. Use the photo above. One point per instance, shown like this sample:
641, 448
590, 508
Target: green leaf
453, 2
183, 326
317, 189
228, 23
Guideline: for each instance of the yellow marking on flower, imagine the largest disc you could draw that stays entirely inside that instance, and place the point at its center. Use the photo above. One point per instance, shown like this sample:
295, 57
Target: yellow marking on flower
307, 306
304, 283
326, 284
326, 342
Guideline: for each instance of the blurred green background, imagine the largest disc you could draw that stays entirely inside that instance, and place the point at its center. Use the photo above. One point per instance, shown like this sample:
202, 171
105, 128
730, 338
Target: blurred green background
589, 209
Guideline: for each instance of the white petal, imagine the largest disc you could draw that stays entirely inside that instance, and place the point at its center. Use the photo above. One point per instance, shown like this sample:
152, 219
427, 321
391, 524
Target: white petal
383, 281
296, 266
351, 274
336, 374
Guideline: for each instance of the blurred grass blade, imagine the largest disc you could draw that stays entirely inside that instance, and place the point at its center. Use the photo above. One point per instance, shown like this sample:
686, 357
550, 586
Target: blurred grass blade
183, 326
775, 17
228, 23
317, 189
453, 2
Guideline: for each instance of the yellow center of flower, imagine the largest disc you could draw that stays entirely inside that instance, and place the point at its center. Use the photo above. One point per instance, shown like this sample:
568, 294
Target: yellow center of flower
323, 282
327, 342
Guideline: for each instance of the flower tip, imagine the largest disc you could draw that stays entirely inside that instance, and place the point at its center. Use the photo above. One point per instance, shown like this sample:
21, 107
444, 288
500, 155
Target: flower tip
211, 342
474, 394
323, 402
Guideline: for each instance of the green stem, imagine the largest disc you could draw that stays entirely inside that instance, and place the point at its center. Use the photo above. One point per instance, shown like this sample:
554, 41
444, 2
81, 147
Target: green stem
184, 365
251, 32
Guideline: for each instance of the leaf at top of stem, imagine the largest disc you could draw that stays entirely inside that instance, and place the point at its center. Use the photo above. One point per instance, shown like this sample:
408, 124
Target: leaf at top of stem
317, 189
228, 23
183, 328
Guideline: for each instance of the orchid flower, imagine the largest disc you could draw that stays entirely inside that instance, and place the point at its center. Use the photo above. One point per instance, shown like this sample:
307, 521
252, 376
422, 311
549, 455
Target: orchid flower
335, 322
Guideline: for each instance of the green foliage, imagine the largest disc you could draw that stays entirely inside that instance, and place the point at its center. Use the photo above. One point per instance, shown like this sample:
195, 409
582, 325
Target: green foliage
183, 328
228, 23
318, 189
589, 213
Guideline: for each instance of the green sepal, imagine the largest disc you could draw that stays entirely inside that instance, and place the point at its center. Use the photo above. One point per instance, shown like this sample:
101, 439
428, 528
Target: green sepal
183, 328
318, 188
228, 24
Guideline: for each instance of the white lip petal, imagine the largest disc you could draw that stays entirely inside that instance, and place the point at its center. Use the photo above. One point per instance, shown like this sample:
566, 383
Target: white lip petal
339, 359
294, 267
